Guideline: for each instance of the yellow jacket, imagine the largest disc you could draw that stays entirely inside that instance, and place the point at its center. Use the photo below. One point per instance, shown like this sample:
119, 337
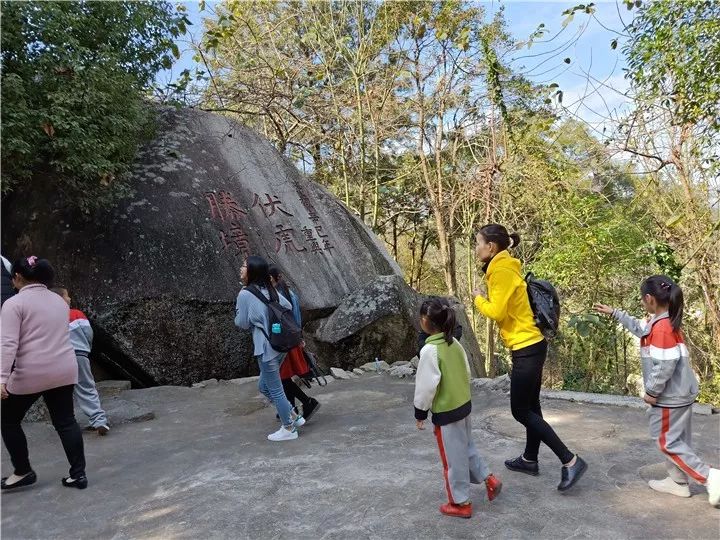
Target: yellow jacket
508, 303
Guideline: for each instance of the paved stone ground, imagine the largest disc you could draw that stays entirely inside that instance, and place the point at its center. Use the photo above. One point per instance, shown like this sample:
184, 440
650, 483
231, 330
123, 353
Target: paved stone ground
203, 469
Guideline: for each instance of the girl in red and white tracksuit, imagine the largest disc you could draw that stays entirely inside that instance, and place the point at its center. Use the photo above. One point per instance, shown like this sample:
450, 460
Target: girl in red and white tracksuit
670, 386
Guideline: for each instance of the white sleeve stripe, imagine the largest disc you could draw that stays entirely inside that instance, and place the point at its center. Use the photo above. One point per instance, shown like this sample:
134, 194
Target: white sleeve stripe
658, 353
79, 322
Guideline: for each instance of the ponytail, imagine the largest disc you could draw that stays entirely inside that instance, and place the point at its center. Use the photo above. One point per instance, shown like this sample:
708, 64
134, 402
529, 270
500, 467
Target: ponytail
500, 236
666, 293
675, 306
441, 315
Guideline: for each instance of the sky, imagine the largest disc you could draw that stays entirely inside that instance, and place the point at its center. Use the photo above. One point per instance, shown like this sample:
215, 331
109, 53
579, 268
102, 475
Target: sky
592, 84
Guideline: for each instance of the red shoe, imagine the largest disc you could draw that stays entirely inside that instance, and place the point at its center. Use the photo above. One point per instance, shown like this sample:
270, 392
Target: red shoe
493, 486
457, 510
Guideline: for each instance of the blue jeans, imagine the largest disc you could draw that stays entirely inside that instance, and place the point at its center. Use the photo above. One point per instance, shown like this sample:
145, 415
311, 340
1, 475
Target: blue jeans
271, 387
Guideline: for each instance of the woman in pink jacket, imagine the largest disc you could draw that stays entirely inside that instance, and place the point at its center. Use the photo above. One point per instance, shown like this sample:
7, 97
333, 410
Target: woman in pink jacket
38, 360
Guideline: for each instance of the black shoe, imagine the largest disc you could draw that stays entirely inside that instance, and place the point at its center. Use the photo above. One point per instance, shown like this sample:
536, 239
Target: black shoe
311, 409
80, 482
28, 479
520, 465
570, 475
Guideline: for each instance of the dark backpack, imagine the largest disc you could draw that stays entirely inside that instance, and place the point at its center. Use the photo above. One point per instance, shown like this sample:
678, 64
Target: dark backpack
279, 317
545, 304
315, 371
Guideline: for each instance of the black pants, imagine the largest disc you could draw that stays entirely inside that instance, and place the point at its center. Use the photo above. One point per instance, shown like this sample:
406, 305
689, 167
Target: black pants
59, 402
525, 385
293, 392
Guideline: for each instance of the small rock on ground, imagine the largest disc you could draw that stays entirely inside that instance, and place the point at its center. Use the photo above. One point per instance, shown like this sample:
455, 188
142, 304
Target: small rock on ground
339, 373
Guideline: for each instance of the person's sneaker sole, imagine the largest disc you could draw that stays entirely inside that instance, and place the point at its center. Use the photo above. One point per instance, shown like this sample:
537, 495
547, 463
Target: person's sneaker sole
661, 486
103, 430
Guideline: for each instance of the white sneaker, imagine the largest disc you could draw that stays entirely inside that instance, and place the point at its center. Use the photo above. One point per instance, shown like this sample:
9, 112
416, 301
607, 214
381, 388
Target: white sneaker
713, 487
283, 434
668, 485
299, 421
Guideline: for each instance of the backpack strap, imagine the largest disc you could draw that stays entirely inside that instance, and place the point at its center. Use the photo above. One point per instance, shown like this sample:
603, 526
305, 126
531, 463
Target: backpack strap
255, 291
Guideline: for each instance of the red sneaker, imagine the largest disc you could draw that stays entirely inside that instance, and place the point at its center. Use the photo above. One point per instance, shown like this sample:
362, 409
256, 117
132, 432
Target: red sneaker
493, 486
457, 510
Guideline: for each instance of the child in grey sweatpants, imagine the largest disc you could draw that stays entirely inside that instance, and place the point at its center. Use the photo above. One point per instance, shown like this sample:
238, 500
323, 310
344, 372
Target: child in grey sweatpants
442, 386
86, 394
670, 386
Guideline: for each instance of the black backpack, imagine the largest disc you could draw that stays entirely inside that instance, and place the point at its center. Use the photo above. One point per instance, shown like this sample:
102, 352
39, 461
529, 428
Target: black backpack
545, 304
279, 317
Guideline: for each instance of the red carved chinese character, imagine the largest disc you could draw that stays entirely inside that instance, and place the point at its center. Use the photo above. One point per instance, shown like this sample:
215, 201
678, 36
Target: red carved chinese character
224, 206
214, 208
237, 239
284, 237
230, 206
272, 205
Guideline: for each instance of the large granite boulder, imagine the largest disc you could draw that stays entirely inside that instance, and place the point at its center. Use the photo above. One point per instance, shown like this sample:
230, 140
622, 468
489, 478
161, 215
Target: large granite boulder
380, 320
158, 272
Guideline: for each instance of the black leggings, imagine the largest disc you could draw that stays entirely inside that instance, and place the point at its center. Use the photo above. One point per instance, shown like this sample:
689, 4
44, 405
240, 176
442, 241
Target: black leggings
293, 391
525, 385
59, 402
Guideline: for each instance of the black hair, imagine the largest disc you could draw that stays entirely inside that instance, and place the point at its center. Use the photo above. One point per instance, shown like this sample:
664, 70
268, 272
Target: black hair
34, 270
441, 315
666, 293
498, 234
280, 284
258, 272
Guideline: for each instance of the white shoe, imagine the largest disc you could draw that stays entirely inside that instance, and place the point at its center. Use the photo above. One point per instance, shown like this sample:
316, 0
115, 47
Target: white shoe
299, 421
283, 434
668, 485
713, 487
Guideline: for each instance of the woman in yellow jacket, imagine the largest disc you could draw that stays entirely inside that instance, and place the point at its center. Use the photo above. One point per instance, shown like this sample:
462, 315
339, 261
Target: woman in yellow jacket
509, 306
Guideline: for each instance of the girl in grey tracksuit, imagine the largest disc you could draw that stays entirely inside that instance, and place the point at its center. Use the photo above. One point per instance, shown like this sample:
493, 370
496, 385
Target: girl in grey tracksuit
670, 386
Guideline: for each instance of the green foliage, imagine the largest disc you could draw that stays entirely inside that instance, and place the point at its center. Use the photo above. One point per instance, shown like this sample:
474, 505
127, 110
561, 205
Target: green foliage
73, 80
674, 55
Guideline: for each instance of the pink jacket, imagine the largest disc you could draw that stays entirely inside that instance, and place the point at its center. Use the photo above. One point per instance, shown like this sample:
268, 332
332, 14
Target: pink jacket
36, 340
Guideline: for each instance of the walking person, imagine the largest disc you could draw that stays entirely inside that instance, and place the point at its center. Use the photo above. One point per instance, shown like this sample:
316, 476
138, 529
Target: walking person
86, 394
442, 385
670, 386
38, 360
252, 314
509, 306
294, 363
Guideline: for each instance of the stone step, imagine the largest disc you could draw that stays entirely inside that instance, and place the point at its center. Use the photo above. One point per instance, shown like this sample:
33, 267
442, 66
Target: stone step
111, 388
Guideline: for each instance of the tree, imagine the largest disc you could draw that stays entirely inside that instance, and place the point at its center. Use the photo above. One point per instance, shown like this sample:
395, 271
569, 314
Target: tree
74, 76
674, 132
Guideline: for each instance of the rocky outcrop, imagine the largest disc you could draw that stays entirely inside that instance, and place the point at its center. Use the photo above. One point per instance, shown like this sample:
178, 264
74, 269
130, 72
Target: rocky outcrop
380, 321
158, 272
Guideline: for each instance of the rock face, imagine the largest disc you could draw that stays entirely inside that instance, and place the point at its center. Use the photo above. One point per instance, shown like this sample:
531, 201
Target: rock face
158, 273
380, 320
